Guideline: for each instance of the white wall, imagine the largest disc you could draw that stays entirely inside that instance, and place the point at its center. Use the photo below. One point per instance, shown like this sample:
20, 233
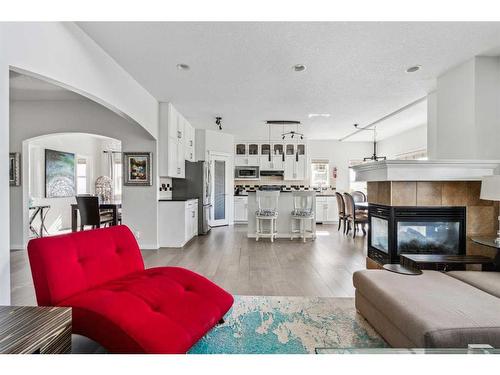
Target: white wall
139, 203
455, 113
411, 140
432, 151
339, 154
62, 53
468, 111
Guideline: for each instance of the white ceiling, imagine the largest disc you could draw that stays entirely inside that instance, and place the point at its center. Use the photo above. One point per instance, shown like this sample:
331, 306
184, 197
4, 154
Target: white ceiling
242, 71
26, 88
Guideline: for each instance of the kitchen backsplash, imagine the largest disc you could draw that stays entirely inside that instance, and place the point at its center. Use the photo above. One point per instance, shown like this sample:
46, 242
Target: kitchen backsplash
248, 187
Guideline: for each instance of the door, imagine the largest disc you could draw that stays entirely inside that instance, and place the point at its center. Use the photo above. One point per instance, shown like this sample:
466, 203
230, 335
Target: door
220, 165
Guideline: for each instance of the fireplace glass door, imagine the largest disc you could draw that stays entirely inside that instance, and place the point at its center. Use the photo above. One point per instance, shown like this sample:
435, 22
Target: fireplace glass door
380, 233
433, 237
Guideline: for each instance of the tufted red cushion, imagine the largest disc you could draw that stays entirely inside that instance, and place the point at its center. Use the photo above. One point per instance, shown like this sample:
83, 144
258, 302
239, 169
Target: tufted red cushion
70, 263
159, 310
115, 301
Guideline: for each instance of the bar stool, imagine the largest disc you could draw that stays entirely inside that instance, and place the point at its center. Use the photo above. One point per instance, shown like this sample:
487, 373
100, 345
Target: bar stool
303, 211
267, 210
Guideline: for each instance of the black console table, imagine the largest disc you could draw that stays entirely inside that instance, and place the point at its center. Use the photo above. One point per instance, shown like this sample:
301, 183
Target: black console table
440, 262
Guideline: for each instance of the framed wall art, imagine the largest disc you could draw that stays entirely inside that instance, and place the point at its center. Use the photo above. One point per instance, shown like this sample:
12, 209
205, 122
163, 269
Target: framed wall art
137, 167
14, 169
60, 174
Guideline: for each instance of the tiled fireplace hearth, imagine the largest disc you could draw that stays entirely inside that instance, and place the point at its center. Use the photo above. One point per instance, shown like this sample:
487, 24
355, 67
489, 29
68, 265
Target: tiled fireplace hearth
399, 197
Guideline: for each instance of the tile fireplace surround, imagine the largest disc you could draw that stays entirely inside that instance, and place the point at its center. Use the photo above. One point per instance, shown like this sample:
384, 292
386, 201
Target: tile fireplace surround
423, 183
481, 215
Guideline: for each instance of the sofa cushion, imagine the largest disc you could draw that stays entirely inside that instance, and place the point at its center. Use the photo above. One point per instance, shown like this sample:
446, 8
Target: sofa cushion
159, 310
488, 282
71, 263
432, 309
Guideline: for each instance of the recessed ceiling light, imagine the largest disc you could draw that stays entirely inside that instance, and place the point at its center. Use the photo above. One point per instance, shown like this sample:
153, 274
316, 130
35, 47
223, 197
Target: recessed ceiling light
311, 115
413, 69
183, 66
299, 67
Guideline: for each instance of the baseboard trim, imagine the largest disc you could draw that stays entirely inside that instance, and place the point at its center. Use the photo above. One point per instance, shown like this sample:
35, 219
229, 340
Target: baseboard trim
145, 246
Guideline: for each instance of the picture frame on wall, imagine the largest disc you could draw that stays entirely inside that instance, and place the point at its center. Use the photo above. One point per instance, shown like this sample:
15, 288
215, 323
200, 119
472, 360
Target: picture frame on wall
137, 168
60, 174
14, 169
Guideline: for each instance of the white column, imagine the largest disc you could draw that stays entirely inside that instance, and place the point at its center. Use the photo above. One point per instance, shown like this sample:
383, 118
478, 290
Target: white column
467, 112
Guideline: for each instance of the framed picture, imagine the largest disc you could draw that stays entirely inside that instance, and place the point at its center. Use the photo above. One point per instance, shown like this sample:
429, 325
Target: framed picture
14, 169
60, 174
137, 168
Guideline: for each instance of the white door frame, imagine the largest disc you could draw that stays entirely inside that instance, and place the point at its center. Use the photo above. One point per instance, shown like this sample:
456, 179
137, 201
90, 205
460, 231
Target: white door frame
226, 157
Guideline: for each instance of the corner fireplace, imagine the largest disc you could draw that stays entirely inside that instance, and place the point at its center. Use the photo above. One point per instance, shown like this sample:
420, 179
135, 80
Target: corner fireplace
414, 230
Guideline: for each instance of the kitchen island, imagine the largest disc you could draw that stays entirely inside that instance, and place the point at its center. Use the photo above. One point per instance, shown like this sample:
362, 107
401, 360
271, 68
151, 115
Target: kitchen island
284, 221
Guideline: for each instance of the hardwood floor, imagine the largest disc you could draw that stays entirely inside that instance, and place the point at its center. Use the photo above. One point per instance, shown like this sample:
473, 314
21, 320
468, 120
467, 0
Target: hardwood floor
243, 266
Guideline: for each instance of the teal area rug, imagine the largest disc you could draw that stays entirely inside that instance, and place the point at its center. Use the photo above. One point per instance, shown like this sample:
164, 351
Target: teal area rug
288, 325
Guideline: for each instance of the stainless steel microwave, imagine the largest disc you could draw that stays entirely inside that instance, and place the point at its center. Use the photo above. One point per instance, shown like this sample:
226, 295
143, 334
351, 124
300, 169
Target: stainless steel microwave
247, 172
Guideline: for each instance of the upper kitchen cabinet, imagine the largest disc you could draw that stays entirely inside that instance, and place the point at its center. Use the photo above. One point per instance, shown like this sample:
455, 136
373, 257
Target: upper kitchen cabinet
175, 142
241, 149
189, 145
253, 149
265, 149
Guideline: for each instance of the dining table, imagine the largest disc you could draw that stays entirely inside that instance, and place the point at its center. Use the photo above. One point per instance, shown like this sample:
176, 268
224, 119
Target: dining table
111, 206
361, 205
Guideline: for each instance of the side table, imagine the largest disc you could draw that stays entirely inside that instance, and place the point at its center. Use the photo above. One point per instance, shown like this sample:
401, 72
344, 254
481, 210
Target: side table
489, 242
35, 330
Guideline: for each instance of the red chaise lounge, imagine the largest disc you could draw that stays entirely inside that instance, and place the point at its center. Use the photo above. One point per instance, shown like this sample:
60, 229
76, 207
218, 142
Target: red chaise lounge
115, 301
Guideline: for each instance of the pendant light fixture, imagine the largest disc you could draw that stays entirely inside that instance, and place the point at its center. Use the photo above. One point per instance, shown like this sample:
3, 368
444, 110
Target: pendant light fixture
297, 143
374, 157
269, 142
283, 146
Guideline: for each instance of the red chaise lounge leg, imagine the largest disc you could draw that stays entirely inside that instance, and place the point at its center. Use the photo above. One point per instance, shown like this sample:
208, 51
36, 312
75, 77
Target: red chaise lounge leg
118, 303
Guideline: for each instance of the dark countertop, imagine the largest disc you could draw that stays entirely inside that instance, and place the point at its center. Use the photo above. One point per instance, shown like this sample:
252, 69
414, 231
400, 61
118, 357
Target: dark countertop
176, 199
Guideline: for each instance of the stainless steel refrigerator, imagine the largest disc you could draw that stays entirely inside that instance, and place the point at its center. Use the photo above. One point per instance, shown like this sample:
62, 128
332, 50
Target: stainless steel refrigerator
196, 184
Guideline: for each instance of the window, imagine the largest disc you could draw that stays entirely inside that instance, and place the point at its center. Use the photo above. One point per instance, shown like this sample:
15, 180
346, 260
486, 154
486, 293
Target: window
117, 174
81, 176
320, 173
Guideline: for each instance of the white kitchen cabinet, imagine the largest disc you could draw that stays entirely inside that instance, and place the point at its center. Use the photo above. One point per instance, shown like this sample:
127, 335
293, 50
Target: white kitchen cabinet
178, 222
295, 170
326, 209
191, 219
242, 161
240, 209
276, 163
171, 142
189, 145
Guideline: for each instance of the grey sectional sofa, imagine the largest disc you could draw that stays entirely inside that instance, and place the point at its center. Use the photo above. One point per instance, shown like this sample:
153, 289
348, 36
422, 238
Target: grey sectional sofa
432, 310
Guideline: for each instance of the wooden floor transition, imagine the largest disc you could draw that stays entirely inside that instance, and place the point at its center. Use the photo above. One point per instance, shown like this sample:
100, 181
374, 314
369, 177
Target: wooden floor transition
322, 268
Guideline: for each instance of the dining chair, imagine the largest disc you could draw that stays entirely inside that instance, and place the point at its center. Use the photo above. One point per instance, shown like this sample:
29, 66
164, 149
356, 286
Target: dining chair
267, 210
358, 196
354, 217
303, 212
90, 214
341, 209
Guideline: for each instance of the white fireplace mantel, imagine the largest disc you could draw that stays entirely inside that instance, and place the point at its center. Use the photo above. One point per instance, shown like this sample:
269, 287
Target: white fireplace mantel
426, 170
